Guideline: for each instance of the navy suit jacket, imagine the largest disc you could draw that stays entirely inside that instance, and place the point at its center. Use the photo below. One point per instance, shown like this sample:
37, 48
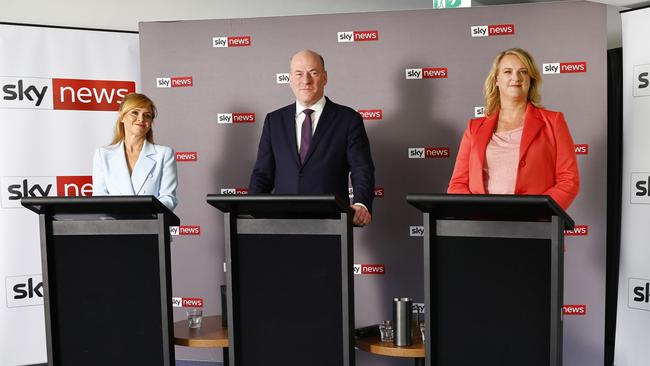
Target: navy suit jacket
339, 148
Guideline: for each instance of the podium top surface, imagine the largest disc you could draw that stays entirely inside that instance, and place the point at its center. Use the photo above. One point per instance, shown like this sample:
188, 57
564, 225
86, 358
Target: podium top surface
281, 206
490, 207
122, 207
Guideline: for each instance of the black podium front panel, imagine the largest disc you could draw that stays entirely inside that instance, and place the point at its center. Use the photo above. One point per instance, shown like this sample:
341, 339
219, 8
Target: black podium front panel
119, 278
490, 301
304, 319
106, 279
289, 279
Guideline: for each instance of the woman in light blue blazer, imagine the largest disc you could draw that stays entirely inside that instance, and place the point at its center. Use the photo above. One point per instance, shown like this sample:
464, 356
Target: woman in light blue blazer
132, 164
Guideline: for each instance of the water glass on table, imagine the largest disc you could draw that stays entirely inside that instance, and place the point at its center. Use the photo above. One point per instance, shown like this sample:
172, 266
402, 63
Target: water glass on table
386, 331
423, 329
194, 317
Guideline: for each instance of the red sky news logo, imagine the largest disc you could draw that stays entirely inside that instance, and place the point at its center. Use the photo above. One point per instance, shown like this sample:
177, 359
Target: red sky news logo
90, 95
15, 188
24, 290
236, 118
231, 41
235, 191
416, 231
371, 114
187, 156
187, 302
427, 73
358, 36
369, 269
492, 30
564, 67
185, 230
574, 310
428, 152
63, 94
282, 78
174, 82
582, 149
479, 112
578, 230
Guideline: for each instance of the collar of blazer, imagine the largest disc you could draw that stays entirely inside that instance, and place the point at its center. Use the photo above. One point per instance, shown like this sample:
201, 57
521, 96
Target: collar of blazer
533, 123
324, 123
133, 184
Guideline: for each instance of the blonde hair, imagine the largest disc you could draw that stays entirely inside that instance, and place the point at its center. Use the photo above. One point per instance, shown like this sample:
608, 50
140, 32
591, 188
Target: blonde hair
492, 98
131, 101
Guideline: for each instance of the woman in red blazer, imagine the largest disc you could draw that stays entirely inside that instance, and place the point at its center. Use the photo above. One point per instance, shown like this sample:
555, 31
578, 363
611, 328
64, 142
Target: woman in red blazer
519, 147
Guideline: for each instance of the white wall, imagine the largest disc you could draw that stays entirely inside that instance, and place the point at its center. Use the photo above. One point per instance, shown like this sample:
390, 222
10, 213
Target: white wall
125, 14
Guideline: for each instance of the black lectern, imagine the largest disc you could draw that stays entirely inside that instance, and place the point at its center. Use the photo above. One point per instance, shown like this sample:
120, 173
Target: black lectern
493, 277
289, 279
106, 279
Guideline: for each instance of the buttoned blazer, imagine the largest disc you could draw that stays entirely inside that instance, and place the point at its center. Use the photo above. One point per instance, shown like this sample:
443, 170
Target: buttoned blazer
339, 152
547, 159
154, 173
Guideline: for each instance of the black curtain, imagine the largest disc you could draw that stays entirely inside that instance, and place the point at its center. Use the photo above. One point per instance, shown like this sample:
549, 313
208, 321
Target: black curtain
614, 177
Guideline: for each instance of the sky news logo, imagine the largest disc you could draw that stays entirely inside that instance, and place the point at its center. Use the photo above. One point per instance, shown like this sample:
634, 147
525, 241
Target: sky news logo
492, 30
371, 114
185, 230
369, 269
63, 94
578, 230
574, 309
479, 112
174, 82
638, 293
186, 156
428, 152
641, 80
426, 73
378, 192
358, 36
582, 149
187, 302
236, 118
640, 188
15, 188
231, 41
282, 78
234, 191
564, 67
416, 230
24, 290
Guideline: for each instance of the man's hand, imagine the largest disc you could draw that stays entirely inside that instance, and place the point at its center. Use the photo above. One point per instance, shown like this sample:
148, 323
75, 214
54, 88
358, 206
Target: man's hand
361, 215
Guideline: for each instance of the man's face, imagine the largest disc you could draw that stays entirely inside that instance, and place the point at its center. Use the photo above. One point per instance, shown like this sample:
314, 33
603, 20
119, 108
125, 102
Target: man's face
307, 78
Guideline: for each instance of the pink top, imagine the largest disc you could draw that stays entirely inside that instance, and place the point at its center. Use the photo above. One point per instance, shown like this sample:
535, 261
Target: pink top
502, 161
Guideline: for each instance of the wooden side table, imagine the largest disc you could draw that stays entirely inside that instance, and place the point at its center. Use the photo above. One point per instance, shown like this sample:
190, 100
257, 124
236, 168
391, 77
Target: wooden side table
210, 335
376, 346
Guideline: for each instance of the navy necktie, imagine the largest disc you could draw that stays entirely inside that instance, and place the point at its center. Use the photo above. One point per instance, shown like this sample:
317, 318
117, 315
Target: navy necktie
305, 135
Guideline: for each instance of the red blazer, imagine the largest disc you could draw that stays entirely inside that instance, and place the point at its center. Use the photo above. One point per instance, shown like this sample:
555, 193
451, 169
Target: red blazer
547, 159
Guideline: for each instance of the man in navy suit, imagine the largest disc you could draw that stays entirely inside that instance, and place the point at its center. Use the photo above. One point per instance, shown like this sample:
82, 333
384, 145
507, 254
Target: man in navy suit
313, 145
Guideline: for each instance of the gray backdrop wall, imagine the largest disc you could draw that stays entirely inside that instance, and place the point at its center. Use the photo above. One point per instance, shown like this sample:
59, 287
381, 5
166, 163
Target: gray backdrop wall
206, 82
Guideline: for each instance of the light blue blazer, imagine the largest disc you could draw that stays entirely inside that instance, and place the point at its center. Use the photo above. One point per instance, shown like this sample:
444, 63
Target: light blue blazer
154, 173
